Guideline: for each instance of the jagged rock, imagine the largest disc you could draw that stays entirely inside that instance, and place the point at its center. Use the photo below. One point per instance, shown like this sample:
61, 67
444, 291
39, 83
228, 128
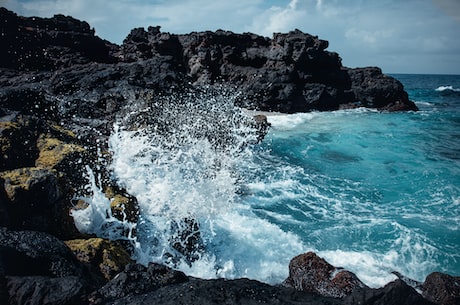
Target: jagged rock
441, 288
123, 206
137, 279
394, 293
291, 72
18, 136
373, 89
37, 253
37, 268
32, 195
311, 273
106, 256
220, 291
37, 290
48, 43
187, 239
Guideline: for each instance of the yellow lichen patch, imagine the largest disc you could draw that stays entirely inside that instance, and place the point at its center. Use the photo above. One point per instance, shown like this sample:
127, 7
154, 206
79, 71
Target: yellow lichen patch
65, 132
123, 206
108, 256
54, 151
8, 125
20, 181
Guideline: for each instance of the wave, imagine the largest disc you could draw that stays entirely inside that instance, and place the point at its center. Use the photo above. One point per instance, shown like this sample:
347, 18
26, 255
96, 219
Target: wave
213, 206
447, 89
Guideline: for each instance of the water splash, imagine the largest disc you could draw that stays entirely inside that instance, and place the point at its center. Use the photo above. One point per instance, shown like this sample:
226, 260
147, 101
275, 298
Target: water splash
213, 203
186, 160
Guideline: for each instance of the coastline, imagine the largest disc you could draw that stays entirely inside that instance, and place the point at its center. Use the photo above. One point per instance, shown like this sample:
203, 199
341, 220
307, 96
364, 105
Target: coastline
57, 112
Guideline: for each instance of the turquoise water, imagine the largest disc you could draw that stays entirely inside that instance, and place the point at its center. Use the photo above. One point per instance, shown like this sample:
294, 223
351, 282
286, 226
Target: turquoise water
384, 184
372, 192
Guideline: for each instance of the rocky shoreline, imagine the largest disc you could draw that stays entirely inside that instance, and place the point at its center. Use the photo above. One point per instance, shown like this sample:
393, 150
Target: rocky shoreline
61, 90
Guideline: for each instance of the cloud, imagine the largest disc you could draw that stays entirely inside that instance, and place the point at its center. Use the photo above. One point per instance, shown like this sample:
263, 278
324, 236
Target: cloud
396, 35
278, 19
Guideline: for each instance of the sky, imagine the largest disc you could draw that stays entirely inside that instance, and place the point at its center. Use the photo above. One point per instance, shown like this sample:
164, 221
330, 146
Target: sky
399, 36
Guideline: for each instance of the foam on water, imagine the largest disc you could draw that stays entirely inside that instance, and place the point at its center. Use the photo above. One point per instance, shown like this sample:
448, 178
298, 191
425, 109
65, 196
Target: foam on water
447, 88
370, 192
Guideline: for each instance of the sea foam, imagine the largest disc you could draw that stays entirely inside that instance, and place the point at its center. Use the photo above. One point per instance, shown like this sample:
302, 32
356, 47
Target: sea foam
320, 182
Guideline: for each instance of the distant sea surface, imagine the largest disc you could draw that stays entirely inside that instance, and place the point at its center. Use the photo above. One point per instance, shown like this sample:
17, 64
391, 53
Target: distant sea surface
369, 191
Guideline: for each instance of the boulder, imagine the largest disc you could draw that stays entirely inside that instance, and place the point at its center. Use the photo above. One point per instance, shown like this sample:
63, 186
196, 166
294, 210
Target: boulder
221, 291
123, 206
373, 89
32, 195
37, 253
137, 279
441, 288
37, 268
18, 135
106, 256
394, 293
310, 273
37, 290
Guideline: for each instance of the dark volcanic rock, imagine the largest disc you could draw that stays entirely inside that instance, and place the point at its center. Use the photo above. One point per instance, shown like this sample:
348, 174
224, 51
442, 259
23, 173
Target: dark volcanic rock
291, 72
394, 293
216, 292
310, 273
373, 89
37, 268
442, 288
48, 43
37, 290
62, 89
137, 279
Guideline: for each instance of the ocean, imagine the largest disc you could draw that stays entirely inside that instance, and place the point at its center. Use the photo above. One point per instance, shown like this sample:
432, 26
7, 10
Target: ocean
368, 191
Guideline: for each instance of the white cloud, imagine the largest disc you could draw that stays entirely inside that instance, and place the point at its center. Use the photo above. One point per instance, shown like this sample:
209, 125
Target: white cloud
278, 19
363, 32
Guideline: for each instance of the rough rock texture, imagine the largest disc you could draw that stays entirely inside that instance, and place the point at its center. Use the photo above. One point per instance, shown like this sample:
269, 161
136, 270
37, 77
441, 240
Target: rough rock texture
394, 293
137, 279
48, 43
37, 290
291, 72
42, 170
106, 256
311, 273
442, 288
37, 268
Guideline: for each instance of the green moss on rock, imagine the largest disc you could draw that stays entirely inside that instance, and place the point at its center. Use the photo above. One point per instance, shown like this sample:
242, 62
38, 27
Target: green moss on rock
106, 256
31, 184
54, 153
123, 206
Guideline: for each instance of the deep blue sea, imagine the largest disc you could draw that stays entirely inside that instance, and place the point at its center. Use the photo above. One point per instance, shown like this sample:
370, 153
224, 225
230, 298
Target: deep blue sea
369, 191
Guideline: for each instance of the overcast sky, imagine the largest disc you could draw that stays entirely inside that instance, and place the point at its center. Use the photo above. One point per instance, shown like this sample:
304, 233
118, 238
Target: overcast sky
400, 36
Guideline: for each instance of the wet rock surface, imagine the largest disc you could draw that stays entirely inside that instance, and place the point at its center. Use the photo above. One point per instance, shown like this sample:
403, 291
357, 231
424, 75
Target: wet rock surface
442, 288
310, 273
